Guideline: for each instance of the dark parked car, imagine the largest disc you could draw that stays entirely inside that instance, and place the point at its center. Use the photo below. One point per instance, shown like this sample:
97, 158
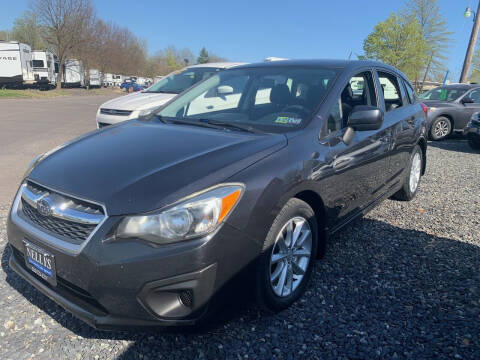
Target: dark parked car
472, 131
450, 108
182, 200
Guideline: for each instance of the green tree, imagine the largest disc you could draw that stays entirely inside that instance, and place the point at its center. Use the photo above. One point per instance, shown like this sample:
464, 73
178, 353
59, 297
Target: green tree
203, 58
434, 30
475, 76
398, 41
26, 30
5, 35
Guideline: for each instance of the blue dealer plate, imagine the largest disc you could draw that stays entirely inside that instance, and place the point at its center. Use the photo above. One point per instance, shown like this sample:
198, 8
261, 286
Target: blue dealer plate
41, 262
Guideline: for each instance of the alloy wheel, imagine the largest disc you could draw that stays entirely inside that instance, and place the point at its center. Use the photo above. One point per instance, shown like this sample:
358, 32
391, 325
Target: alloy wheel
415, 172
441, 129
290, 256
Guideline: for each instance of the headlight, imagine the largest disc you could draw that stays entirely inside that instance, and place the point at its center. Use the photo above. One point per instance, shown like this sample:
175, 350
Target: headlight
197, 215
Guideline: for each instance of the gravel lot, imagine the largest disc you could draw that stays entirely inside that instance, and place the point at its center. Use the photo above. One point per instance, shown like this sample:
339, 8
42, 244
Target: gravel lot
403, 282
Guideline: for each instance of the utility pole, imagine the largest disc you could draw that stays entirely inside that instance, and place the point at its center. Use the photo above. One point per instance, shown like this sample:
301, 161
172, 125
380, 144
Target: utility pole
471, 46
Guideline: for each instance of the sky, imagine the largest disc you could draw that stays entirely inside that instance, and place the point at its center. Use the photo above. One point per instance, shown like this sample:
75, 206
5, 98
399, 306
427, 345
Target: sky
253, 30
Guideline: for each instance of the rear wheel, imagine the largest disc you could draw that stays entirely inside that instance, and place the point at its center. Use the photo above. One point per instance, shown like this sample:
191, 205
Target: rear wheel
441, 128
412, 178
286, 263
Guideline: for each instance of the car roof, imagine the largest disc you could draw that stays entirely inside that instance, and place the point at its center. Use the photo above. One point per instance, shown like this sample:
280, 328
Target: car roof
223, 65
328, 63
459, 86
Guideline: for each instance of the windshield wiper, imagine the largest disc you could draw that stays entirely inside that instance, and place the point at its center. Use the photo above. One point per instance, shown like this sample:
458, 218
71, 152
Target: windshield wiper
194, 123
229, 125
159, 92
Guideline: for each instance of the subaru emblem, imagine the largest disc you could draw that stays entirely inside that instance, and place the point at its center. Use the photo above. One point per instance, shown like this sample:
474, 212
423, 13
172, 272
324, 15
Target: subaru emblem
44, 208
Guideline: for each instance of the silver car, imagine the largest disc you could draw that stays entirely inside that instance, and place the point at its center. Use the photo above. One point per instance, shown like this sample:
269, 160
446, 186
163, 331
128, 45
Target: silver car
133, 105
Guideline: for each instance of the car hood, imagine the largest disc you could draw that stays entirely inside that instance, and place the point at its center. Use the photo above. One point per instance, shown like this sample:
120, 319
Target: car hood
137, 101
139, 166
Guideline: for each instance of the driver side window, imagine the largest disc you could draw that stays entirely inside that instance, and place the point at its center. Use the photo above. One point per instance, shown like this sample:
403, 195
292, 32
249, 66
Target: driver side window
359, 90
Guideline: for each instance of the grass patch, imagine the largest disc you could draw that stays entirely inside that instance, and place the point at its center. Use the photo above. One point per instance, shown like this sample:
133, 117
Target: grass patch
37, 94
31, 93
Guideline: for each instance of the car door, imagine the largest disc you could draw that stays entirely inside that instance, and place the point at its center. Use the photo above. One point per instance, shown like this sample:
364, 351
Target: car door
353, 173
469, 108
399, 122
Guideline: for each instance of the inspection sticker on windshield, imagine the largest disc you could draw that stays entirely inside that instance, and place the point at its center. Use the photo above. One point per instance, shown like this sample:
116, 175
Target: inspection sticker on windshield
288, 120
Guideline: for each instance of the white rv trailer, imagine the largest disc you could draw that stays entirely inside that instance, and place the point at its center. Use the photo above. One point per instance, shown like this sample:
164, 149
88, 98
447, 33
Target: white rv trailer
94, 78
107, 79
73, 73
15, 64
44, 68
117, 79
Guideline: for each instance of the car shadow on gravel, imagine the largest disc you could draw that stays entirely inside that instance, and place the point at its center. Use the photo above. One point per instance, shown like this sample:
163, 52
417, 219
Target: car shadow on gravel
459, 144
380, 290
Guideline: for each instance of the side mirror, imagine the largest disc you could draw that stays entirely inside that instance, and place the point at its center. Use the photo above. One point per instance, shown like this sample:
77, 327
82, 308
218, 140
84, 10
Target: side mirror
364, 118
224, 90
467, 100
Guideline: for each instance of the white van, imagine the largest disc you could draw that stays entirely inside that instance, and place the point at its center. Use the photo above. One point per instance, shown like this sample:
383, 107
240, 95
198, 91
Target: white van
15, 64
133, 105
44, 68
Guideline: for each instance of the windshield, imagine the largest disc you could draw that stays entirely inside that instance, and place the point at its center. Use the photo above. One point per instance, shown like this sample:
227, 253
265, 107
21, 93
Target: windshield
272, 99
443, 94
181, 80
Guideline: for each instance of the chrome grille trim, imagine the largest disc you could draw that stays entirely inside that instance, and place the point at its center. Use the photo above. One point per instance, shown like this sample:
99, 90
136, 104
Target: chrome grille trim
38, 234
115, 112
62, 207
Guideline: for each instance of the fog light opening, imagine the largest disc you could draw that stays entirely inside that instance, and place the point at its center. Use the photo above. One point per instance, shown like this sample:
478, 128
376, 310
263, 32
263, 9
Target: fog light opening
186, 297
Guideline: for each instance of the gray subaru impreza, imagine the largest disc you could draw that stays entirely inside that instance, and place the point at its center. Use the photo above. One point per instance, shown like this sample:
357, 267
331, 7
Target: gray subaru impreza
142, 223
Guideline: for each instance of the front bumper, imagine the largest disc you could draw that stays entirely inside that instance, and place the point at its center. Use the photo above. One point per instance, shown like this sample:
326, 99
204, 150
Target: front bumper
133, 284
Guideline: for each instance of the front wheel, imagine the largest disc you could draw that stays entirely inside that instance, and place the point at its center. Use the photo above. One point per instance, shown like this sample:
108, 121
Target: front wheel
286, 263
412, 178
441, 128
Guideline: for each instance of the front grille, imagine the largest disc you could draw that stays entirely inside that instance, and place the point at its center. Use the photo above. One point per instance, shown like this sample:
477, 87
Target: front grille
69, 219
102, 125
115, 112
70, 230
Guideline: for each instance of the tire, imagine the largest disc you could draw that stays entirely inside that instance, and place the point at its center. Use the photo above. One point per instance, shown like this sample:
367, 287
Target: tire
441, 128
474, 144
271, 295
408, 190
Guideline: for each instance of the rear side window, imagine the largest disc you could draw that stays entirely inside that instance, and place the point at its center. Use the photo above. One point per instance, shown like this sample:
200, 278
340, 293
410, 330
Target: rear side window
410, 92
391, 91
